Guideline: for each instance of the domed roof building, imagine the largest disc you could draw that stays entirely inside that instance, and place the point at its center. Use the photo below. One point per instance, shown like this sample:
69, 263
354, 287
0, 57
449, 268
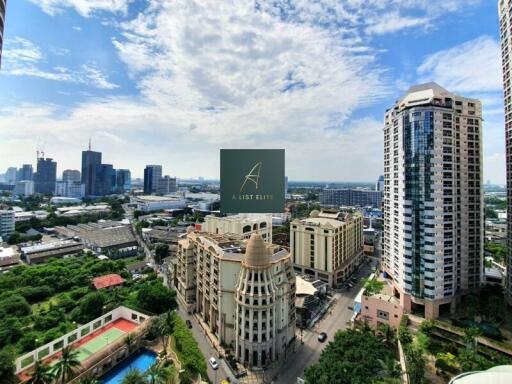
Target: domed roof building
243, 291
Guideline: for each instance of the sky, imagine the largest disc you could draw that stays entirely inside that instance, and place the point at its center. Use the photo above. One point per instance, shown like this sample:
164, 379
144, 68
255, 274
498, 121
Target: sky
171, 82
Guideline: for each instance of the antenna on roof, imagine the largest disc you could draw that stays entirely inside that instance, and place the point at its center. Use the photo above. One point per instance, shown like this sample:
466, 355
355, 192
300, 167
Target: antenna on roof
89, 143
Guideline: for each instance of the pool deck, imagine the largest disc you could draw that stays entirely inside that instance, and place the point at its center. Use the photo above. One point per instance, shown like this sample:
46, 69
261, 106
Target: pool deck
91, 344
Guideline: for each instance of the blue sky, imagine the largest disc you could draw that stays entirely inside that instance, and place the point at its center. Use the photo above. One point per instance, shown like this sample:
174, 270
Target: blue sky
172, 82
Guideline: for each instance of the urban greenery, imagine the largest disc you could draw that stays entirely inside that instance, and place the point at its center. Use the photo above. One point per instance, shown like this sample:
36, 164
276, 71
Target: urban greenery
357, 355
41, 303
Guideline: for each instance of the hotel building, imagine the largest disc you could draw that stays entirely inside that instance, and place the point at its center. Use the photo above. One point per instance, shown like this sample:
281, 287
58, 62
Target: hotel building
243, 290
328, 245
243, 225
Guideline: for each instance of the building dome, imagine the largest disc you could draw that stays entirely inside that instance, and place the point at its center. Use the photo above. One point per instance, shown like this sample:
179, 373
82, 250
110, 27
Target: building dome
256, 253
314, 213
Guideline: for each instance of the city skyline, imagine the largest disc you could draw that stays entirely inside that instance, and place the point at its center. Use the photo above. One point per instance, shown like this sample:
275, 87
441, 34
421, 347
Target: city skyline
323, 82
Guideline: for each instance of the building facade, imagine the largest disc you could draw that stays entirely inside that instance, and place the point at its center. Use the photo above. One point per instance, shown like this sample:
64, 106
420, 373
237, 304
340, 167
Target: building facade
24, 188
166, 185
505, 12
3, 4
123, 180
91, 163
152, 176
46, 176
72, 175
7, 221
149, 203
26, 172
433, 226
350, 198
243, 225
243, 290
327, 246
73, 189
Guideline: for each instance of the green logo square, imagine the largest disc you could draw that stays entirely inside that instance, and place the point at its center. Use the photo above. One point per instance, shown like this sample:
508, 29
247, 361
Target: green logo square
251, 180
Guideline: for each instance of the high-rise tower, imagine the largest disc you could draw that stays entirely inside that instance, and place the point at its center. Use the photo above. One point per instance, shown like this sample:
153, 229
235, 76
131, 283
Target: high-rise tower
46, 176
505, 12
433, 225
152, 176
91, 171
3, 4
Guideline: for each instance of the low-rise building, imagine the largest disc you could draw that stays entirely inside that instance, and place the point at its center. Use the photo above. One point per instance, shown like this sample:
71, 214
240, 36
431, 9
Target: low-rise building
8, 257
243, 225
108, 281
114, 242
21, 216
40, 253
243, 291
328, 245
381, 308
150, 203
351, 198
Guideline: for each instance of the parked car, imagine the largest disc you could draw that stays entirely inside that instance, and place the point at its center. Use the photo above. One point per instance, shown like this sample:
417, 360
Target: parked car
213, 363
322, 337
189, 324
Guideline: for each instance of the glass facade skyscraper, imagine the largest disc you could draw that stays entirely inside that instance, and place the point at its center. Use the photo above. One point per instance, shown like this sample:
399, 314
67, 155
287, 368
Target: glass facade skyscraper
433, 220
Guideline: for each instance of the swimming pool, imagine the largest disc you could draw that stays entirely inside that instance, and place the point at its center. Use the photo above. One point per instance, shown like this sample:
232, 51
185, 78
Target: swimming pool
140, 360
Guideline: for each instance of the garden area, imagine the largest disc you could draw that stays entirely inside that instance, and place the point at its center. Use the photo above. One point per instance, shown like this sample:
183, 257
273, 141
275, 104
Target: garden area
43, 302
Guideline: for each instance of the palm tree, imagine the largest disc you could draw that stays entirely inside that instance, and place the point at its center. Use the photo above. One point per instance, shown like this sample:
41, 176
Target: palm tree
154, 373
89, 379
166, 328
129, 342
134, 377
41, 374
67, 364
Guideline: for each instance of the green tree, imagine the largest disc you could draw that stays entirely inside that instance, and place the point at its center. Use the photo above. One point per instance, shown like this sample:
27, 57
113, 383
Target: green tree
134, 376
156, 298
129, 343
67, 364
154, 373
7, 368
89, 379
415, 363
41, 374
161, 252
470, 337
351, 357
372, 286
91, 306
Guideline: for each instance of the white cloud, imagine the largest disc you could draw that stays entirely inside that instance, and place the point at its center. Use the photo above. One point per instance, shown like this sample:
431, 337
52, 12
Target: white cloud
474, 66
21, 57
393, 22
83, 7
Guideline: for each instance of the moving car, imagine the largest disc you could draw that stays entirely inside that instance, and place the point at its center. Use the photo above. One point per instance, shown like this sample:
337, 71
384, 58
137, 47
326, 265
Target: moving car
189, 324
213, 363
322, 337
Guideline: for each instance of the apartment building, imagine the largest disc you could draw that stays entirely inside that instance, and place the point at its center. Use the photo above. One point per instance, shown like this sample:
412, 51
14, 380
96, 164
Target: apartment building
243, 290
328, 245
433, 223
7, 221
505, 15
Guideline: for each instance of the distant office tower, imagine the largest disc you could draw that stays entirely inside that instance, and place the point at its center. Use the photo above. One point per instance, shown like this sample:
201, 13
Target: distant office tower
380, 184
10, 175
24, 188
123, 180
72, 175
46, 176
25, 173
106, 179
152, 175
350, 197
3, 4
505, 14
6, 223
433, 227
285, 185
91, 164
166, 185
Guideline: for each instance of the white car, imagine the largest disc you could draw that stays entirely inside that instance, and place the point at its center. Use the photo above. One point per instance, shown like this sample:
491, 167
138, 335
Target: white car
213, 363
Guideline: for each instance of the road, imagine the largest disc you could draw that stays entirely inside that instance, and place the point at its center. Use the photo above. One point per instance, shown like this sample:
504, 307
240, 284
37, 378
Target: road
215, 376
334, 320
300, 355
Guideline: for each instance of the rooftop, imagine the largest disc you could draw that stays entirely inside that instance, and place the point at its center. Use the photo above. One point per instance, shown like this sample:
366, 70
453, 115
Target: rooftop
108, 237
152, 198
107, 281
